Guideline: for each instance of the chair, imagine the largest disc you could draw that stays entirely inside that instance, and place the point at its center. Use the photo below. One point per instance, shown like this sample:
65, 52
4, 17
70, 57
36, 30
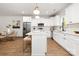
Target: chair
27, 44
11, 36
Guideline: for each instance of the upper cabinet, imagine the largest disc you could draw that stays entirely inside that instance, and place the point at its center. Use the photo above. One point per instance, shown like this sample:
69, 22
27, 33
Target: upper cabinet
57, 20
47, 22
72, 13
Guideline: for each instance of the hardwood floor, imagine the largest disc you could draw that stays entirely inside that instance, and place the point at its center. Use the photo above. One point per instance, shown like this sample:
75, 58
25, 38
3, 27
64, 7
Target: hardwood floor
13, 48
55, 49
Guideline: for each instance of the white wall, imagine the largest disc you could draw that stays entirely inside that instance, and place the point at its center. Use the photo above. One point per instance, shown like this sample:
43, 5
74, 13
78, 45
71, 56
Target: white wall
6, 20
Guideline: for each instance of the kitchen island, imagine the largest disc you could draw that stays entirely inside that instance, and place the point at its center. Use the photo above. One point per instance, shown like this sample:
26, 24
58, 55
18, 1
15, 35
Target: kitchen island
39, 43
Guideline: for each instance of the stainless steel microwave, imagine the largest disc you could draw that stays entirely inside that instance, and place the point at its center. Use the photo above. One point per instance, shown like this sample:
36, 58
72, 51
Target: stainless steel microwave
40, 24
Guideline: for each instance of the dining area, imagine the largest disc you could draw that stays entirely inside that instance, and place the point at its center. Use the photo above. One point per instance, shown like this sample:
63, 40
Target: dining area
6, 36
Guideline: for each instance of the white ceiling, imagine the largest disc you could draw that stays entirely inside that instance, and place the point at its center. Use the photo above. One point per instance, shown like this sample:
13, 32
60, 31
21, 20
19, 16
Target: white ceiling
19, 9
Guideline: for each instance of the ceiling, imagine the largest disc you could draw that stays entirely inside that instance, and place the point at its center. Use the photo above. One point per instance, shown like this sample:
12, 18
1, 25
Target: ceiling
26, 9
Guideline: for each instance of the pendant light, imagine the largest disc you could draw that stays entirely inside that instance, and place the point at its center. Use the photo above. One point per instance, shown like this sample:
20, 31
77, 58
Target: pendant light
36, 10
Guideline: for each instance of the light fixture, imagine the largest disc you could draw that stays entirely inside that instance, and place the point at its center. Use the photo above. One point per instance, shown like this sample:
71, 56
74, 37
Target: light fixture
37, 17
36, 10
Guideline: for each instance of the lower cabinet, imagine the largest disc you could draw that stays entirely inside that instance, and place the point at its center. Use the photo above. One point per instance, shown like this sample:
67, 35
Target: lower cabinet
59, 38
76, 45
68, 42
77, 49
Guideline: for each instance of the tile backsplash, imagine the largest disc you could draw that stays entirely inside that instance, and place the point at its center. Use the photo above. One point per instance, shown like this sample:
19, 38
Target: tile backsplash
69, 27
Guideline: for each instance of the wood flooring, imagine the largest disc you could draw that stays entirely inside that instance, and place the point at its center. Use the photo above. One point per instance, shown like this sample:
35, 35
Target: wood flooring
54, 49
15, 48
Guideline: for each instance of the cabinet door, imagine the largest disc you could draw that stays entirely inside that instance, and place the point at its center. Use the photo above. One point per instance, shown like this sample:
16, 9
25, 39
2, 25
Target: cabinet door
58, 37
77, 48
76, 45
70, 44
57, 20
72, 13
55, 35
62, 42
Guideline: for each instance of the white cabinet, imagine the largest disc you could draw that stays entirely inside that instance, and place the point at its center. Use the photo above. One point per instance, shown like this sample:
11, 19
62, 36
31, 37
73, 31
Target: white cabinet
55, 36
39, 43
58, 37
72, 13
76, 45
57, 20
69, 44
67, 41
72, 44
77, 48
